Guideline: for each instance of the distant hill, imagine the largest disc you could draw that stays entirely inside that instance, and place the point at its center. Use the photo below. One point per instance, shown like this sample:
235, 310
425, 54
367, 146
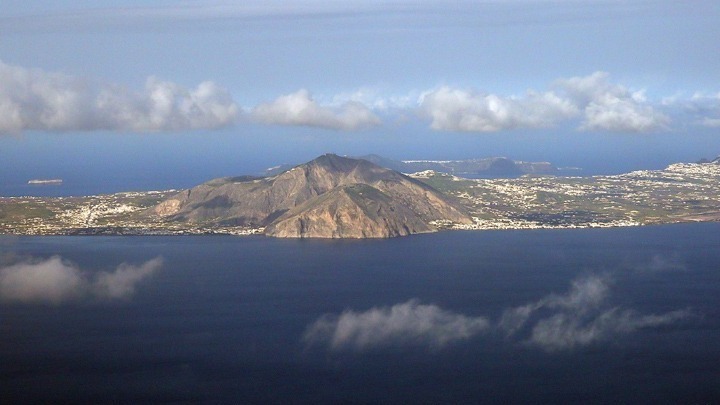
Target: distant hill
328, 197
493, 166
715, 161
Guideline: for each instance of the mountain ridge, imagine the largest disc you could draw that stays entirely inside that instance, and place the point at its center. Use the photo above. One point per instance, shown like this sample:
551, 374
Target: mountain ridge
490, 166
383, 203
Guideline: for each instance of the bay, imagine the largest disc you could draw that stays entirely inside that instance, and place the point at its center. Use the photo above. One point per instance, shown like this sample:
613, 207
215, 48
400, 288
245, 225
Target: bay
628, 315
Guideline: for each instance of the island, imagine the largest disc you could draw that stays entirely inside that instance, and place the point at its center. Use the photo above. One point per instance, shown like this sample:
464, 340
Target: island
341, 197
45, 181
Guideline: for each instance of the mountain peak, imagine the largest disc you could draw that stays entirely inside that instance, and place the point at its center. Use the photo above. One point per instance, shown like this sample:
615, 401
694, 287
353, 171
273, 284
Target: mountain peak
330, 170
337, 162
341, 196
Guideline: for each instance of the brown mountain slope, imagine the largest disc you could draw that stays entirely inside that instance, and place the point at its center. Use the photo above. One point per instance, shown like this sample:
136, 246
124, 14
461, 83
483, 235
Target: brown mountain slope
317, 193
351, 211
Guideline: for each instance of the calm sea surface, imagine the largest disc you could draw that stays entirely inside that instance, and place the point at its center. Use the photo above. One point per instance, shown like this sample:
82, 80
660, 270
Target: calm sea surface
614, 315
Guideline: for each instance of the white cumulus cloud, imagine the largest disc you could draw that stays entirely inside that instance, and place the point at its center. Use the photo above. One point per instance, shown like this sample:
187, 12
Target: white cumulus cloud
555, 322
122, 282
585, 294
598, 103
706, 107
407, 323
564, 331
460, 110
32, 99
55, 281
662, 263
710, 122
578, 318
301, 109
612, 107
52, 280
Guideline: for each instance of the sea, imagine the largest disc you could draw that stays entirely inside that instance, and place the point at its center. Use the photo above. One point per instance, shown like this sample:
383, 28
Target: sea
624, 315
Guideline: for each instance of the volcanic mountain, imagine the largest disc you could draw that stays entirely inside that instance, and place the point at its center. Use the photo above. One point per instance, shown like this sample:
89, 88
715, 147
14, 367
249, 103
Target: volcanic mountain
329, 197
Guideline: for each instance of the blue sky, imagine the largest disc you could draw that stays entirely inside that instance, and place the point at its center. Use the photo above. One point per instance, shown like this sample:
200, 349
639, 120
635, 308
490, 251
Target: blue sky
225, 87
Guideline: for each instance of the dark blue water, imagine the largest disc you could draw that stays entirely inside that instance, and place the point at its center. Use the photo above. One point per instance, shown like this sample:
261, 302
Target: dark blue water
223, 320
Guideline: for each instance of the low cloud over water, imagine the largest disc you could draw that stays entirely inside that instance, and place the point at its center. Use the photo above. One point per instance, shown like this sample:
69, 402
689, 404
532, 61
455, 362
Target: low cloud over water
56, 281
580, 317
406, 323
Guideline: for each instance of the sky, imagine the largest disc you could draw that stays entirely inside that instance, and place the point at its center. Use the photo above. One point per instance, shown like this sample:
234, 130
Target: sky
172, 93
